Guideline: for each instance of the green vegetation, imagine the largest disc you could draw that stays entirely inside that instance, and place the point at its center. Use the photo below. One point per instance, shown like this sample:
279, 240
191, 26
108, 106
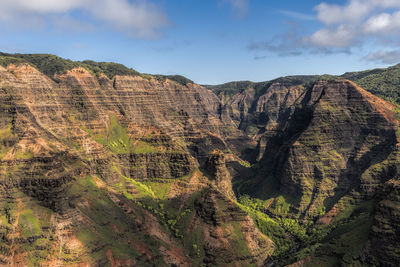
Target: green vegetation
345, 243
277, 206
143, 190
239, 242
51, 65
144, 197
176, 78
266, 225
253, 203
118, 141
229, 89
280, 206
326, 77
280, 209
7, 135
141, 147
161, 190
244, 163
194, 244
196, 250
381, 82
344, 237
24, 154
169, 217
29, 223
108, 68
111, 228
7, 59
397, 111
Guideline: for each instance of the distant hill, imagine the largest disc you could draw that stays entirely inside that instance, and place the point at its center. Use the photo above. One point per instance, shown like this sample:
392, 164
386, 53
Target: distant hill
384, 83
50, 65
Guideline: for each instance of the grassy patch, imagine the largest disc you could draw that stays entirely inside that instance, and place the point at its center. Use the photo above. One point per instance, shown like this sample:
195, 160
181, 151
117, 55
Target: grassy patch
24, 154
29, 224
161, 190
110, 227
269, 227
6, 134
143, 189
118, 140
143, 148
238, 242
244, 163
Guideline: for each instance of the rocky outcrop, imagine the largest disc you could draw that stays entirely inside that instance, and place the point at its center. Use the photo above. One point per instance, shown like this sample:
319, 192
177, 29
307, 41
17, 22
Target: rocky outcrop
385, 231
136, 170
259, 109
87, 163
333, 135
216, 168
227, 229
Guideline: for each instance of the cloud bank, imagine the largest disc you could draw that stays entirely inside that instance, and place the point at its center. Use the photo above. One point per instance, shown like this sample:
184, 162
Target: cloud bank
358, 20
140, 18
384, 57
344, 28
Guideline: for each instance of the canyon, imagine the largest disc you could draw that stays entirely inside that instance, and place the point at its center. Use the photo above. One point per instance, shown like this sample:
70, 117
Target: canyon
101, 165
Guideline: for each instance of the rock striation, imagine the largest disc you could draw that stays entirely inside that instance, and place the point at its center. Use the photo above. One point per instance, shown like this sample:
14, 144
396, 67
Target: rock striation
101, 165
98, 170
330, 150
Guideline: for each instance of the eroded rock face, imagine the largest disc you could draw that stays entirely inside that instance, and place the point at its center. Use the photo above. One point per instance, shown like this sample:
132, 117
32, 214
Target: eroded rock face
259, 108
218, 171
97, 171
137, 170
357, 133
215, 210
331, 150
385, 231
335, 132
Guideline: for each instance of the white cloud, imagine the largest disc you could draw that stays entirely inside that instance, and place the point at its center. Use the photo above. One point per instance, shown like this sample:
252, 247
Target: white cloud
383, 3
36, 6
240, 6
385, 57
356, 22
377, 23
352, 11
345, 28
383, 23
139, 19
341, 37
333, 14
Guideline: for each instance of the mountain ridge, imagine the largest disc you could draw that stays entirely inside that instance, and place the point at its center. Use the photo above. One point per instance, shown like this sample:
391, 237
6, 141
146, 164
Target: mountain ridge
142, 169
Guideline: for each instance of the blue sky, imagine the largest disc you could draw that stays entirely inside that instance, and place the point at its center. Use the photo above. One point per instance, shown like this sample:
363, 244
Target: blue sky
210, 41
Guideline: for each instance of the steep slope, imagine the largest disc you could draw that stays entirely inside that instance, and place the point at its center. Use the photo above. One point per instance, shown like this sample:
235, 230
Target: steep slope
102, 165
381, 82
257, 108
333, 125
324, 171
108, 171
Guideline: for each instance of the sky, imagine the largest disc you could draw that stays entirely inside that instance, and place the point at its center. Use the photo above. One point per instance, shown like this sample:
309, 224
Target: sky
210, 41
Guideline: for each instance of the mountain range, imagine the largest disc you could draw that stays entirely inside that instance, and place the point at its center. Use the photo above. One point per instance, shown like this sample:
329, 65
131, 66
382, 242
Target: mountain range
104, 166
